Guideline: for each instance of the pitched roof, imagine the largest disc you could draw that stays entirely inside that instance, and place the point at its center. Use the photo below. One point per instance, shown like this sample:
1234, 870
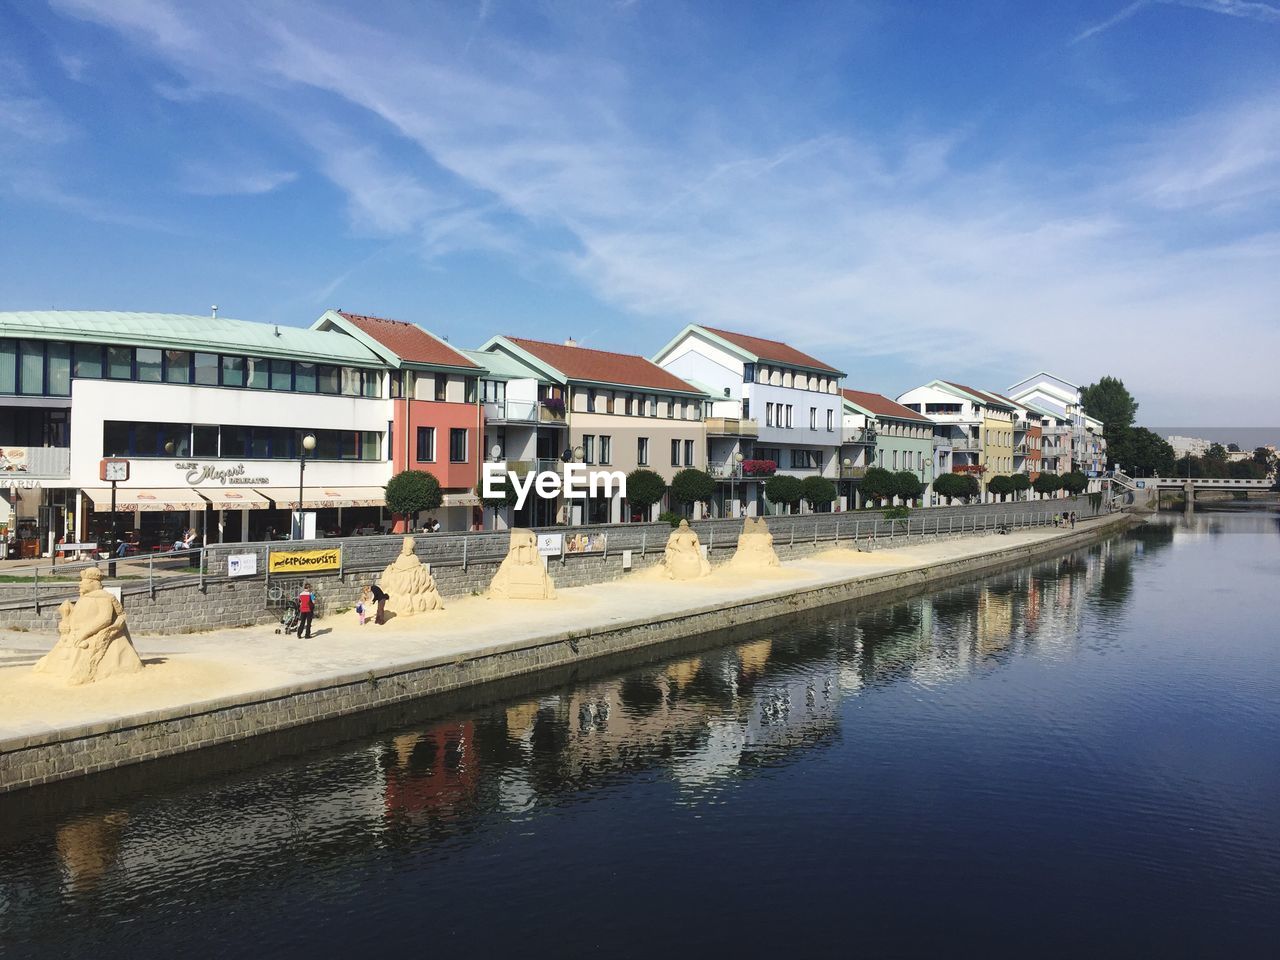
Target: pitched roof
408, 341
601, 366
982, 395
773, 351
882, 406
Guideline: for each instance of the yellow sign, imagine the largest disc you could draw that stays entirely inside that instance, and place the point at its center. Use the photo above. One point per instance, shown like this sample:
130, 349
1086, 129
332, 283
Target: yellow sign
304, 561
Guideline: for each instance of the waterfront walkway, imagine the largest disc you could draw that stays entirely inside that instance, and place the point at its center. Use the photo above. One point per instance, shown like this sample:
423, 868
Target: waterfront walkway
253, 664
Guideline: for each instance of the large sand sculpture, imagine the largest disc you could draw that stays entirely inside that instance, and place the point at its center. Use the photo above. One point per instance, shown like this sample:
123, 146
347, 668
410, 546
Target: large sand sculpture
683, 559
755, 547
408, 583
93, 638
522, 575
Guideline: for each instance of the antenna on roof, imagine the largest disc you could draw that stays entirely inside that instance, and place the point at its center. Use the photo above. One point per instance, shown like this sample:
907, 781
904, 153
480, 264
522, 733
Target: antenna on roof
214, 308
277, 329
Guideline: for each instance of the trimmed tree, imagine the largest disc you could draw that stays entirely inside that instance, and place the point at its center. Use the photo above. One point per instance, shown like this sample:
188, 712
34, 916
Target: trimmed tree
644, 489
878, 484
949, 485
410, 492
1075, 482
1000, 486
818, 492
1047, 484
1020, 482
691, 486
969, 487
783, 489
907, 486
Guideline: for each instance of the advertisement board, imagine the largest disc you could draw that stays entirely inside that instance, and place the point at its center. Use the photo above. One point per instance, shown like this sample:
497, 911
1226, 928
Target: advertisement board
305, 561
242, 565
550, 544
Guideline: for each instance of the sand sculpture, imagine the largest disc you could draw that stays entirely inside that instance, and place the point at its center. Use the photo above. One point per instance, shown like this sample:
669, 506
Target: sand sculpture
522, 575
683, 559
93, 638
755, 547
409, 585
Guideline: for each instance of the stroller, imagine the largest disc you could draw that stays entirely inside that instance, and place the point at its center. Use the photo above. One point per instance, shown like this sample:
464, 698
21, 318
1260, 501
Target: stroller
290, 619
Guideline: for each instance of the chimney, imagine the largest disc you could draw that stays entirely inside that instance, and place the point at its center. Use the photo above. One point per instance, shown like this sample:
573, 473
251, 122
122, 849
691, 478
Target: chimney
214, 308
570, 342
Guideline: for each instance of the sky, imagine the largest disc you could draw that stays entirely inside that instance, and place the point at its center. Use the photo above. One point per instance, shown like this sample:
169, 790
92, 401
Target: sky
970, 192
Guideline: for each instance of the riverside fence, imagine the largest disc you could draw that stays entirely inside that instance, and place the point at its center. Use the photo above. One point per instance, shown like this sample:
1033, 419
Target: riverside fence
209, 587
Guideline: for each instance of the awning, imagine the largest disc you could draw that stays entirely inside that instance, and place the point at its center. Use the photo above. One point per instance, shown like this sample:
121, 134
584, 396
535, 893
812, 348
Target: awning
147, 499
460, 500
319, 498
235, 498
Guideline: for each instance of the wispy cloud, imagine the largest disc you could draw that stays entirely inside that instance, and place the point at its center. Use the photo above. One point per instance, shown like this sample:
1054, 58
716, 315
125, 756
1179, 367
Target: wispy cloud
216, 180
1244, 9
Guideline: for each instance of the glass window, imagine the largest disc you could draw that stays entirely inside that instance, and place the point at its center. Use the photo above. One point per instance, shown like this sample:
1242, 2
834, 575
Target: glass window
370, 443
59, 369
606, 450
371, 383
281, 375
470, 384
328, 379
457, 445
120, 363
304, 377
442, 384
175, 439
426, 444
642, 451
88, 360
149, 365
31, 362
8, 366
206, 367
146, 439
204, 441
588, 448
177, 366
256, 373
675, 453
688, 453
327, 445
233, 371
350, 382
235, 442
397, 385
115, 438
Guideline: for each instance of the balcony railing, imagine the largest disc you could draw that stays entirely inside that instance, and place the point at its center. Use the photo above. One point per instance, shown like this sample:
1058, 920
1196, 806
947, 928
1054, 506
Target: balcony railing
42, 462
510, 411
548, 415
732, 427
852, 473
959, 444
864, 436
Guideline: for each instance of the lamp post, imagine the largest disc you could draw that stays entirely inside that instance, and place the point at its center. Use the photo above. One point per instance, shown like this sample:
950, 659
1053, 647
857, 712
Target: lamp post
308, 444
847, 464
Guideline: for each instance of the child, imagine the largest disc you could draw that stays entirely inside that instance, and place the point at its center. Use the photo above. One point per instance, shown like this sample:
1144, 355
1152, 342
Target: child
362, 605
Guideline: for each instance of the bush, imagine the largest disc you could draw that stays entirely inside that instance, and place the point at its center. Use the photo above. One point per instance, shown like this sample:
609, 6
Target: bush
759, 468
783, 489
1047, 483
957, 486
907, 485
644, 488
692, 486
410, 492
878, 484
1021, 483
818, 492
1000, 486
671, 517
1075, 482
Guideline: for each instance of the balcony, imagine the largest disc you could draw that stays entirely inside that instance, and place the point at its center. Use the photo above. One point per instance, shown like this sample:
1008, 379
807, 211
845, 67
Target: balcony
959, 444
864, 436
511, 411
731, 427
852, 473
45, 463
550, 414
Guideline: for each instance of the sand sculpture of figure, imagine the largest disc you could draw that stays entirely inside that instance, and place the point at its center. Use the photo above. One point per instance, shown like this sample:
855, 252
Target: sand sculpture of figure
93, 638
755, 547
683, 559
522, 575
409, 585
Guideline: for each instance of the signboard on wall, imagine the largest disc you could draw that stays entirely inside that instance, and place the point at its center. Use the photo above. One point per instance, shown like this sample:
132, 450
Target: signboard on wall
550, 544
13, 459
305, 561
242, 565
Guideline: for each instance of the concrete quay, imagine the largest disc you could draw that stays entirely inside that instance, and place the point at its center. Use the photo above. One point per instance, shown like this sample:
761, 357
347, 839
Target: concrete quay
225, 686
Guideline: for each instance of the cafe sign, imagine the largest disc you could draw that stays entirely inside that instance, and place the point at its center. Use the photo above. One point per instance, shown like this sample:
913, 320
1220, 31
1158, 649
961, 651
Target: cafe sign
233, 475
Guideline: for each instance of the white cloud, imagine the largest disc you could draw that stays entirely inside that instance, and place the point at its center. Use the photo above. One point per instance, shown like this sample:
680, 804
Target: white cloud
1242, 9
208, 179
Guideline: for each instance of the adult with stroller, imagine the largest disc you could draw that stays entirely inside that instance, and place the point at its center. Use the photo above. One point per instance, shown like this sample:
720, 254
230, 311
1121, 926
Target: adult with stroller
306, 611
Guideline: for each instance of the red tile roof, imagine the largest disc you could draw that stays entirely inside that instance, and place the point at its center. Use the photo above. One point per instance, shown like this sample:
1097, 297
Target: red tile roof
883, 405
982, 395
601, 366
773, 351
408, 341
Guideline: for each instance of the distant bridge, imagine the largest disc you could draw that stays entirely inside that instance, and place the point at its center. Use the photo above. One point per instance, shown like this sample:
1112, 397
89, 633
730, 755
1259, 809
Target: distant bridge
1181, 483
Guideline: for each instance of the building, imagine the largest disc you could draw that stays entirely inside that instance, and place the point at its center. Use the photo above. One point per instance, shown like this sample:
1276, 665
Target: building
877, 432
1194, 446
211, 414
974, 427
773, 408
433, 408
622, 412
1061, 398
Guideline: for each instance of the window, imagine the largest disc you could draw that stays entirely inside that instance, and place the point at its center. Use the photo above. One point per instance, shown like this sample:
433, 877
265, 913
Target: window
688, 453
397, 385
788, 416
652, 403
304, 377
495, 391
748, 372
281, 375
329, 379
88, 360
204, 441
606, 450
588, 448
442, 390
746, 408
426, 444
895, 459
642, 451
206, 369
813, 418
768, 414
671, 407
31, 365
233, 371
257, 373
150, 365
457, 445
675, 453
120, 363
177, 366
806, 459
372, 383
469, 387
591, 400
8, 366
59, 369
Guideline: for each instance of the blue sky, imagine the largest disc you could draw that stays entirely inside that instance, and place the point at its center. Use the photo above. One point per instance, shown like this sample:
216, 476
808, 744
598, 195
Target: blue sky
909, 191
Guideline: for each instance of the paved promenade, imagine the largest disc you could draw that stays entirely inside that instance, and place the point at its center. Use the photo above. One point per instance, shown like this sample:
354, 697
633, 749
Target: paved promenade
255, 663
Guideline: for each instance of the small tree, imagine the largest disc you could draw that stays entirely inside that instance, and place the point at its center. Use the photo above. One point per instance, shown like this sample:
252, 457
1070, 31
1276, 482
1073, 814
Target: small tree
907, 486
644, 489
1000, 486
818, 492
951, 485
878, 484
691, 486
1020, 482
969, 486
783, 489
1075, 482
1047, 484
410, 492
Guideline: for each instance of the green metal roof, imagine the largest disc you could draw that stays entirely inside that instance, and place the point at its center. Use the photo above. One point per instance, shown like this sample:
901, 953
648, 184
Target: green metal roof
176, 331
502, 366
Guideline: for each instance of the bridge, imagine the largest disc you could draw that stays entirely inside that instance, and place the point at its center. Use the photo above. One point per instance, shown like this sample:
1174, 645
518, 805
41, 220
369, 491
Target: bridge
1121, 479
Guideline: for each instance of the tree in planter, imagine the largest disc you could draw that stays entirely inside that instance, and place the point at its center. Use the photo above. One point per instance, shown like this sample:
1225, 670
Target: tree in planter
644, 489
410, 492
818, 492
691, 486
783, 489
1000, 486
1021, 483
878, 485
1047, 484
907, 486
1075, 482
949, 485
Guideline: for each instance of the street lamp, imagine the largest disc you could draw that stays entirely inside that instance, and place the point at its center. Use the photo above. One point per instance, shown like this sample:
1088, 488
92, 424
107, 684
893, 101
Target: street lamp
308, 444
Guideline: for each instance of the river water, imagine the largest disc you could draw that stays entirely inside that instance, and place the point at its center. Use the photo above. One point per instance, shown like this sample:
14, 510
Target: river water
1082, 758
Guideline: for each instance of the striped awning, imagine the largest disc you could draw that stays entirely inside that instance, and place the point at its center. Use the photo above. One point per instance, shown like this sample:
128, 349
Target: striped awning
147, 499
235, 498
320, 498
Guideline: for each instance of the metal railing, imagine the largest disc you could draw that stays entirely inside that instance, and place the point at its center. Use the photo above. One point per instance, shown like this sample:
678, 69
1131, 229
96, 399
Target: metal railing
731, 427
511, 411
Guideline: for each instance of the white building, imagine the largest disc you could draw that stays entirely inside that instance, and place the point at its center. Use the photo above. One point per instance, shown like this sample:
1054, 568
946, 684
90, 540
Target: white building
1060, 397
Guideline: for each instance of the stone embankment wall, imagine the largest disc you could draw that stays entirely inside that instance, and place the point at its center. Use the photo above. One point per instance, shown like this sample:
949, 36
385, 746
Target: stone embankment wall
463, 564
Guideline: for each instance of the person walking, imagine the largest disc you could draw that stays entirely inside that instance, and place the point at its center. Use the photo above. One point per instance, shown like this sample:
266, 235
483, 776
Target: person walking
306, 611
1073, 519
380, 598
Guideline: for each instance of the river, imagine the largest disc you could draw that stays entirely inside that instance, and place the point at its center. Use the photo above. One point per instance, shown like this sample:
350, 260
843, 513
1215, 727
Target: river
1082, 758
